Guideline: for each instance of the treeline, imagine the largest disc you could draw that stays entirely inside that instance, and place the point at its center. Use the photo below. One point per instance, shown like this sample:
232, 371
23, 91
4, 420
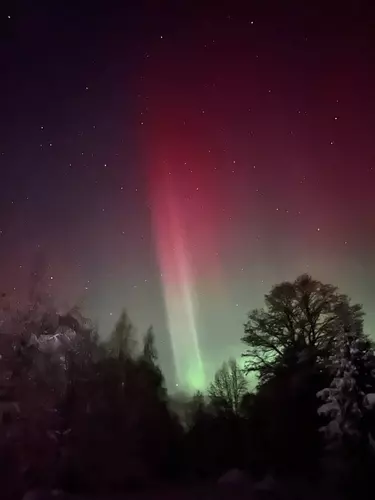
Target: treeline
82, 415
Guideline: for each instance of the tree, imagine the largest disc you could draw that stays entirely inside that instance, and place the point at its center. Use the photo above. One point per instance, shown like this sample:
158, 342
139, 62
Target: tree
150, 353
298, 324
122, 342
195, 409
197, 404
346, 400
347, 409
289, 343
121, 424
148, 364
216, 437
229, 387
41, 353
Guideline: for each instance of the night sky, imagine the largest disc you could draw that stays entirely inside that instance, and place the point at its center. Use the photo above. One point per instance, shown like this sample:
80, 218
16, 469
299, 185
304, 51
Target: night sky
179, 159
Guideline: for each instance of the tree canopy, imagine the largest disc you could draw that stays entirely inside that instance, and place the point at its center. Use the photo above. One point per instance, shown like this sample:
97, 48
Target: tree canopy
299, 321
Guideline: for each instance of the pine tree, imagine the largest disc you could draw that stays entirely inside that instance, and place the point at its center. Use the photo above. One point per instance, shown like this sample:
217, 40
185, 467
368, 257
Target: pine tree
122, 342
150, 353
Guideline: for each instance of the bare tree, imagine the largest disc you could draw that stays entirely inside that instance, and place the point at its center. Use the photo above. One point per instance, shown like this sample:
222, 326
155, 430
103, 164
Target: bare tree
300, 321
229, 387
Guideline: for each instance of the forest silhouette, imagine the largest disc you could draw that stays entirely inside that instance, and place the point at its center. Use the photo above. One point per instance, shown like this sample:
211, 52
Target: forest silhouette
86, 417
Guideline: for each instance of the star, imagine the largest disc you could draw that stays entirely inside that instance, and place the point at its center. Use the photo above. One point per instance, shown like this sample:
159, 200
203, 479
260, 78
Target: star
268, 157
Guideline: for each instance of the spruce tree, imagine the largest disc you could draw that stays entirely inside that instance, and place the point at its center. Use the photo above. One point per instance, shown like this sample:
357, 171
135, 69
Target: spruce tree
347, 405
352, 365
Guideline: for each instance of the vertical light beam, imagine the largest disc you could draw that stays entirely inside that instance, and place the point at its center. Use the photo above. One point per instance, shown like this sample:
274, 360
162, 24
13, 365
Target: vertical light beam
178, 285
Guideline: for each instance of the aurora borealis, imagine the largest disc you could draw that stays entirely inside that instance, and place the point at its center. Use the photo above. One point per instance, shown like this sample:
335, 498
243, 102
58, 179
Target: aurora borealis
179, 160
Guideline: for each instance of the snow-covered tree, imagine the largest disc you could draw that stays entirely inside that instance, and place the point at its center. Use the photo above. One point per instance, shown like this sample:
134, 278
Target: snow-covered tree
350, 394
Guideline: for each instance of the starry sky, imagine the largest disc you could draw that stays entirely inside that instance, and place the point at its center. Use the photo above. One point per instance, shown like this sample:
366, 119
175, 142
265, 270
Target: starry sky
179, 159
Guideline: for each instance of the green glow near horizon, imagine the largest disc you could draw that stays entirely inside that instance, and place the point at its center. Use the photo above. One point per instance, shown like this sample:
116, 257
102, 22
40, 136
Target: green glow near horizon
195, 378
178, 290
